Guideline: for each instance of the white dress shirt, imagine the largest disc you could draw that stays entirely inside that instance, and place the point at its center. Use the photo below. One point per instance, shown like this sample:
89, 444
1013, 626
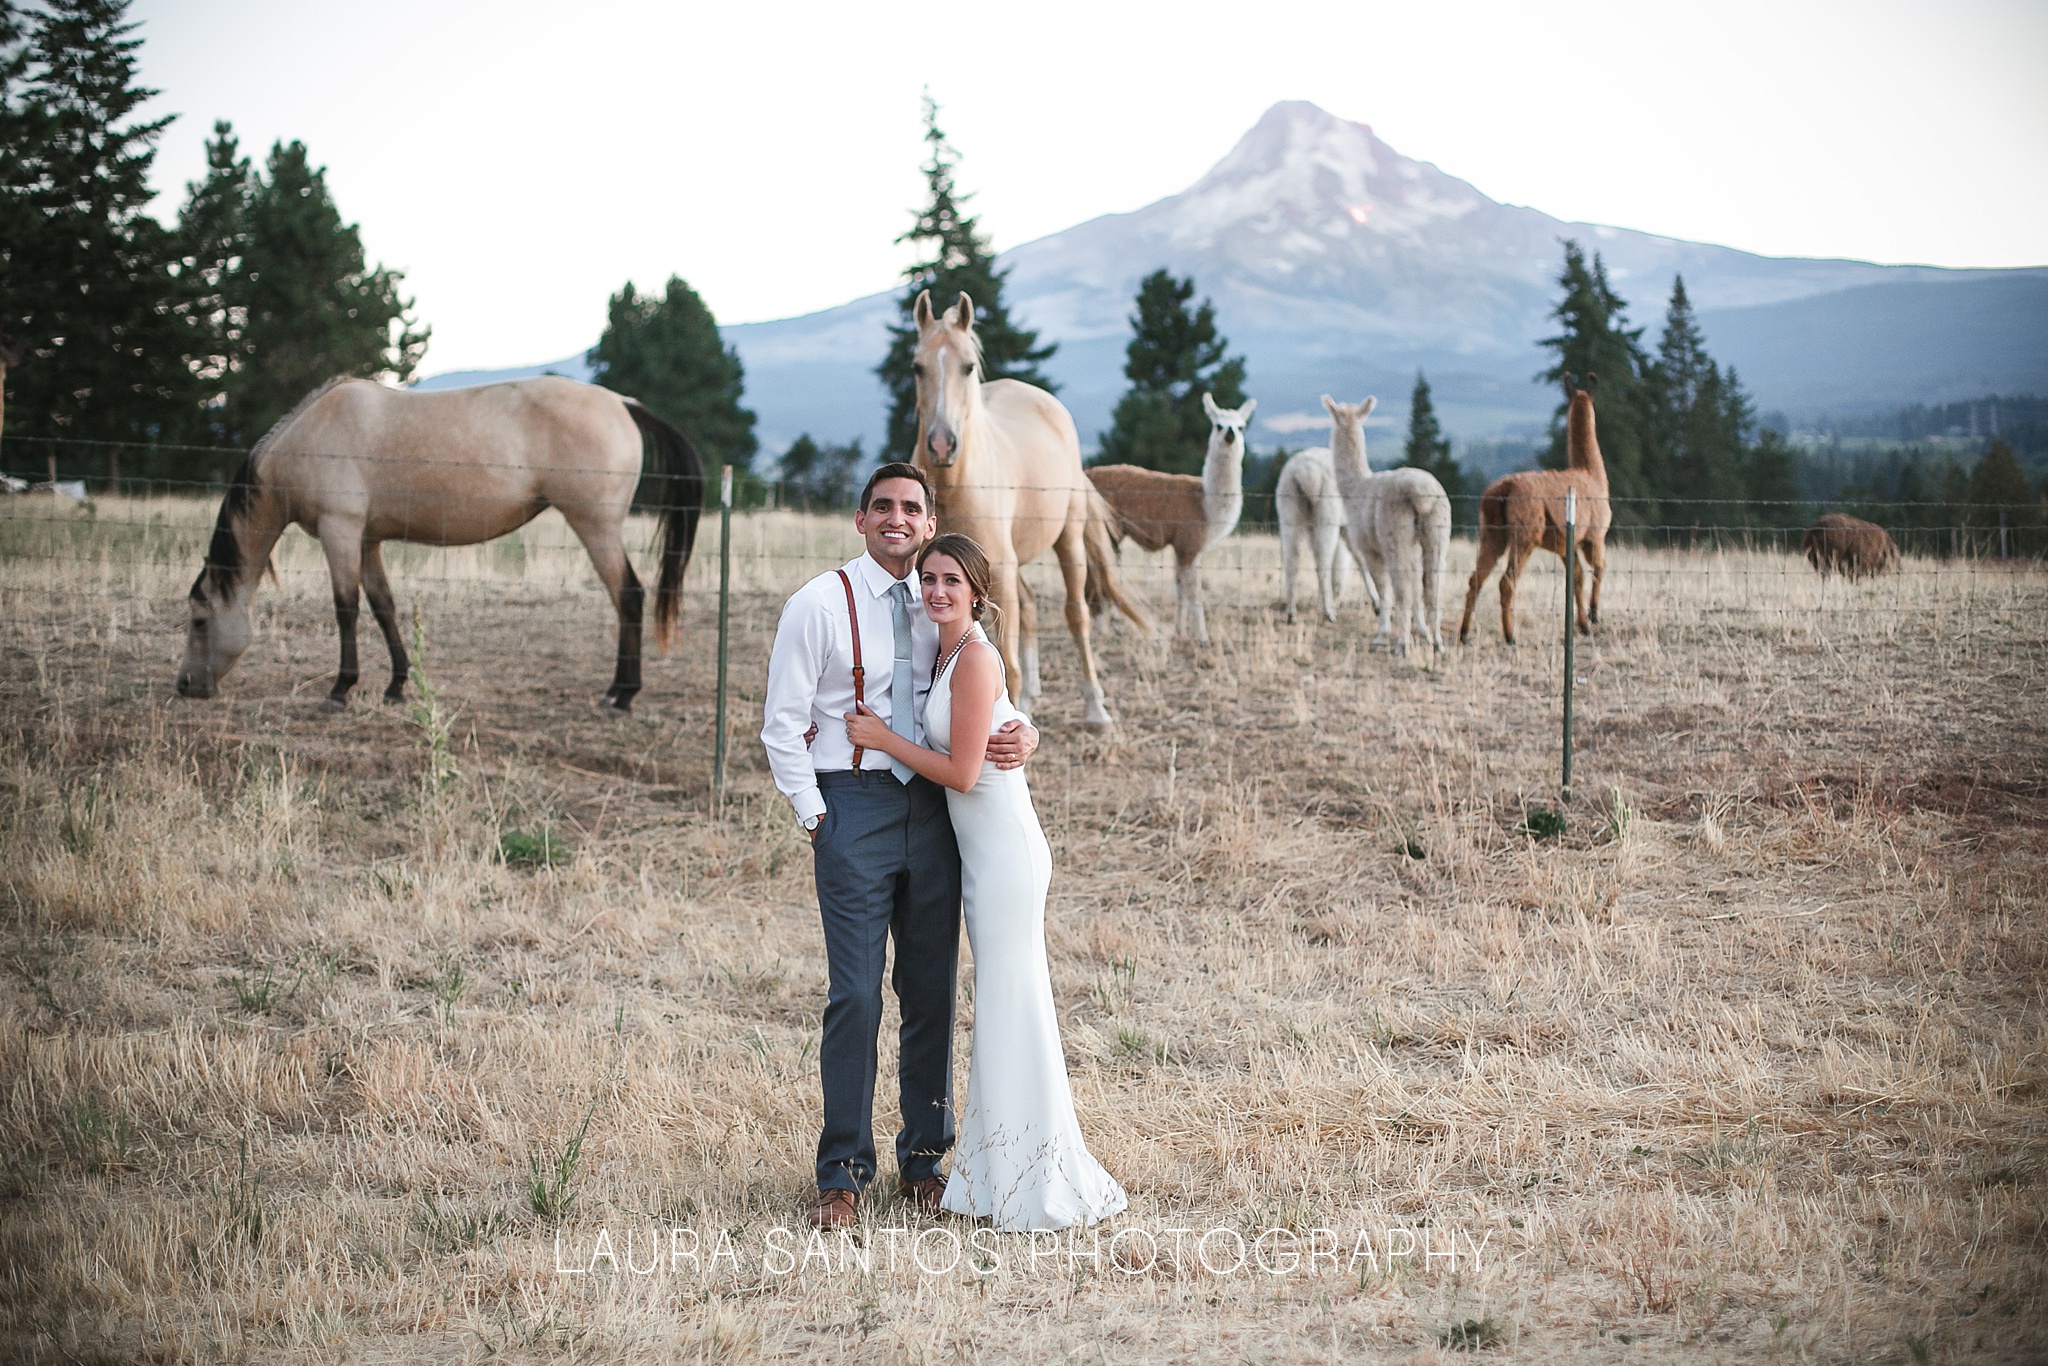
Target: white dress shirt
810, 676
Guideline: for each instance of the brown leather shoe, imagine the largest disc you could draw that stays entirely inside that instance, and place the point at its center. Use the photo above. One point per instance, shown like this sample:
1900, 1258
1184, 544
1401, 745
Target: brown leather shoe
835, 1209
923, 1193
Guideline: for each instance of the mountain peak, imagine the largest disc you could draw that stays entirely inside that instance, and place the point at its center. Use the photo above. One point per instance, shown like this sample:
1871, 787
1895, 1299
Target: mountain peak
1310, 184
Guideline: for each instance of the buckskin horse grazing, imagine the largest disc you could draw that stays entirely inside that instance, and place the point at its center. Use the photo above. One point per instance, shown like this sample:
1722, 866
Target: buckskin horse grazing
1005, 464
1519, 512
357, 464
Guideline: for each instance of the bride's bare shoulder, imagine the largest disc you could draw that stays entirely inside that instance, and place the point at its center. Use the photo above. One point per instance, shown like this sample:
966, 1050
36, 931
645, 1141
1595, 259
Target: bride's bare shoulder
979, 665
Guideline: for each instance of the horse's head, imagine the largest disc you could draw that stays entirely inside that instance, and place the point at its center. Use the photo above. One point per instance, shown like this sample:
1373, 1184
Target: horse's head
216, 634
947, 363
217, 627
1226, 425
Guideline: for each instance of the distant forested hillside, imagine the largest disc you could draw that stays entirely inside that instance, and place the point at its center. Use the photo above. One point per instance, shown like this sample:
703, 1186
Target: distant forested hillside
2020, 419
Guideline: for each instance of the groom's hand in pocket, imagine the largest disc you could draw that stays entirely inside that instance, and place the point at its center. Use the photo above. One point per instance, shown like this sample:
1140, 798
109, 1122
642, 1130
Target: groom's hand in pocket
1013, 744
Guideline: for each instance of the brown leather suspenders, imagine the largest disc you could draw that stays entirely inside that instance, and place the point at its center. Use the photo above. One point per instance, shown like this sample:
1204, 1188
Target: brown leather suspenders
860, 674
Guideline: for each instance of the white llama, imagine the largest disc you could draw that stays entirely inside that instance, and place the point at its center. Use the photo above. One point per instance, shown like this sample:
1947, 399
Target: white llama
1400, 526
1311, 512
1158, 510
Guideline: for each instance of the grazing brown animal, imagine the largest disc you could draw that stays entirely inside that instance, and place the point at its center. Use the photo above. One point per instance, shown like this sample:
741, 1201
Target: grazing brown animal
1839, 543
1158, 510
1519, 512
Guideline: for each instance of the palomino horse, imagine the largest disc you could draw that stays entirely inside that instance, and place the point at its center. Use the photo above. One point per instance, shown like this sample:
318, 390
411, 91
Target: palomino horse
1519, 512
1005, 464
357, 464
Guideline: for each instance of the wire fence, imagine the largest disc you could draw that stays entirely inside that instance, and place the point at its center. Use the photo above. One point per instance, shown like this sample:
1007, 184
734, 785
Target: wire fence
1712, 636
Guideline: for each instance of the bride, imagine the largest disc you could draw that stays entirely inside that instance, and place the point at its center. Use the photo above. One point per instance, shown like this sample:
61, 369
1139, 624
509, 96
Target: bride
1020, 1161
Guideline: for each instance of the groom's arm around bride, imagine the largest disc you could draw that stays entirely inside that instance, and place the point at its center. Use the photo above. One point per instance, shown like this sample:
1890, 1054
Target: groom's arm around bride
886, 864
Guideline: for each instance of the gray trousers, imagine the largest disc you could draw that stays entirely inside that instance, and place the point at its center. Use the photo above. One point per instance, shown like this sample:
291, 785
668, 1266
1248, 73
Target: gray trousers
887, 867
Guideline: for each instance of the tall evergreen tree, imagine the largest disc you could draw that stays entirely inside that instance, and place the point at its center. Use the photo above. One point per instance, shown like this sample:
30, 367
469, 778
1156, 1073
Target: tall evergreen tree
1175, 356
307, 305
1429, 449
955, 259
86, 281
1770, 477
1998, 490
821, 477
213, 242
1695, 422
1595, 340
666, 352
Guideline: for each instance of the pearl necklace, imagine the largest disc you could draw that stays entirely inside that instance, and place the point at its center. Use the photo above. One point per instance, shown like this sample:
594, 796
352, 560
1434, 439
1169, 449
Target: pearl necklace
941, 666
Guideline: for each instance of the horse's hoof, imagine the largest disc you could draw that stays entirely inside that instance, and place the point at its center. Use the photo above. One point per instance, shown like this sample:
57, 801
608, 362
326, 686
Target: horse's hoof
611, 706
1098, 725
394, 694
331, 703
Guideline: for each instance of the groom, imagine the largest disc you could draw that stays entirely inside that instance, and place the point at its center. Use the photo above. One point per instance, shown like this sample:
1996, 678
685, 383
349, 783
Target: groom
884, 856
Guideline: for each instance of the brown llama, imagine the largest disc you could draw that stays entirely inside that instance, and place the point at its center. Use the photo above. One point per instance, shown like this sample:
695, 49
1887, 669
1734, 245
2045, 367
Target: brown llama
1837, 542
1519, 512
1158, 510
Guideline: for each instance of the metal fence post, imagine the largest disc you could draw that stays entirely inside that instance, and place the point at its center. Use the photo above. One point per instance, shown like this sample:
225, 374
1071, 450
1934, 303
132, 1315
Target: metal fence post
724, 624
1571, 509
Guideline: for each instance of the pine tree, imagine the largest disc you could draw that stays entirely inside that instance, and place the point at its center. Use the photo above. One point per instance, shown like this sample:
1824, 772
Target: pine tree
955, 261
820, 477
89, 295
1910, 498
1695, 422
1952, 512
667, 353
213, 240
1175, 356
1998, 490
1594, 340
1770, 476
309, 306
1429, 449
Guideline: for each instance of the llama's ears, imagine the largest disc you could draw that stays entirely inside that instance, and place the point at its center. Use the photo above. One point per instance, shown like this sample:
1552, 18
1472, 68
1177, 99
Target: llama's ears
963, 313
1331, 404
1246, 411
1592, 384
1365, 408
1209, 406
923, 312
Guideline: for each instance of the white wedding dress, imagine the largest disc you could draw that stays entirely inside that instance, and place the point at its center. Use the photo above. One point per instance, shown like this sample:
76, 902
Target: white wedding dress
1020, 1161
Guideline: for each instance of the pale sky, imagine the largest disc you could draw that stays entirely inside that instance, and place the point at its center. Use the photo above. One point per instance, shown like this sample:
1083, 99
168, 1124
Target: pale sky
520, 160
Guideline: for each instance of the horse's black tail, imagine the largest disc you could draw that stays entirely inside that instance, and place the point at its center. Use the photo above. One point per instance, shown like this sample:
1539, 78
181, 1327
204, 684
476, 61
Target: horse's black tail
680, 471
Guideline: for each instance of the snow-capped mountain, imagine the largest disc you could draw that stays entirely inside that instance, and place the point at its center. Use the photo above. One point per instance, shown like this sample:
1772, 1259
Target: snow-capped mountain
1337, 264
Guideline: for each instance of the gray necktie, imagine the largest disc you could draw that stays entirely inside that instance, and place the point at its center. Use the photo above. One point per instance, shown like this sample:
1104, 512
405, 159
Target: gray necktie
902, 692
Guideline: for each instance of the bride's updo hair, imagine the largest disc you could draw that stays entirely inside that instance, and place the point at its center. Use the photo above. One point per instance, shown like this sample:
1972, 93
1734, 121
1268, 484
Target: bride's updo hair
973, 561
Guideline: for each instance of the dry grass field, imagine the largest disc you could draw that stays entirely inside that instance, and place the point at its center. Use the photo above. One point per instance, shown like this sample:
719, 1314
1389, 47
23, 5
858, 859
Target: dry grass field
364, 1037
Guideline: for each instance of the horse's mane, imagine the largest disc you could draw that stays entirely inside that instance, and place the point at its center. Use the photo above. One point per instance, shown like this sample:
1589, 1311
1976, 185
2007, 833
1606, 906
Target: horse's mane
224, 567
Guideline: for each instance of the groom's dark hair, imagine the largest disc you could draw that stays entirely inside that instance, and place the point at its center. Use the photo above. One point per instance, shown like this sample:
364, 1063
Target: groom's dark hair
898, 469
